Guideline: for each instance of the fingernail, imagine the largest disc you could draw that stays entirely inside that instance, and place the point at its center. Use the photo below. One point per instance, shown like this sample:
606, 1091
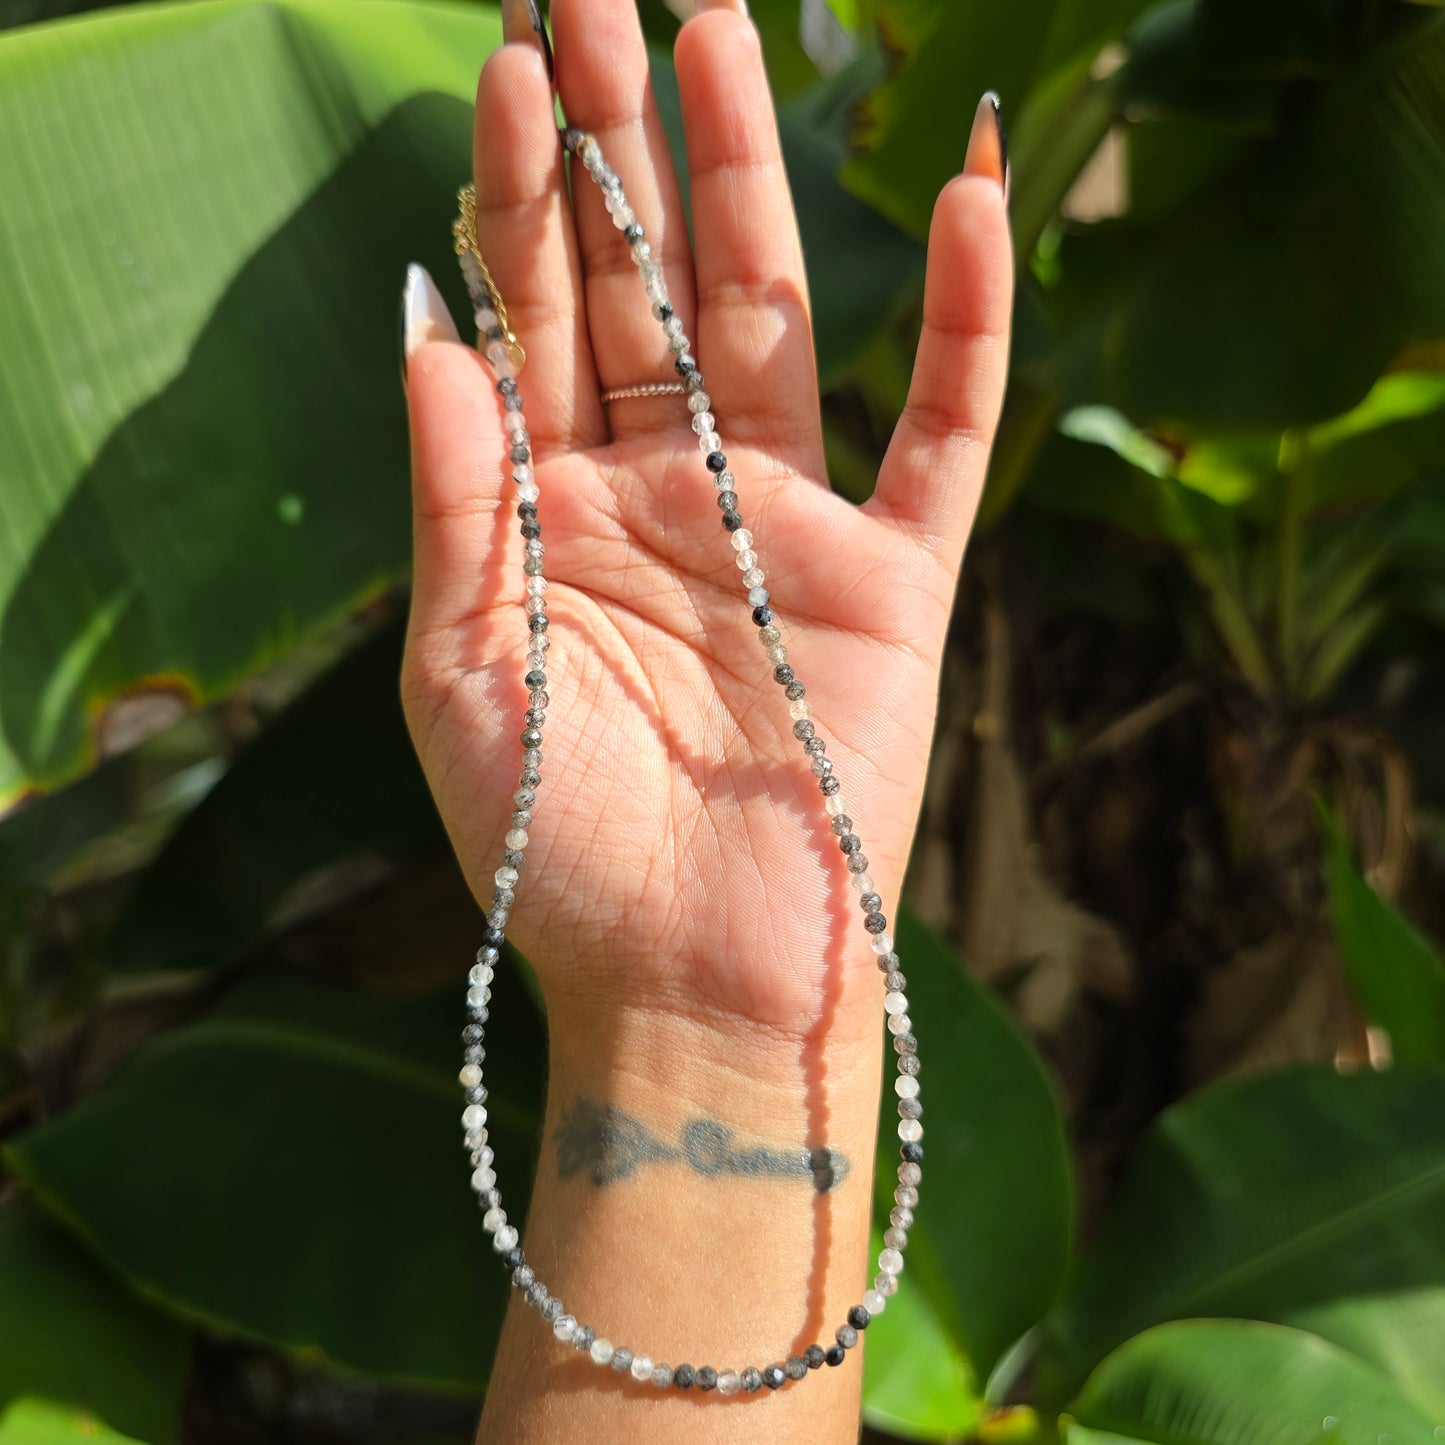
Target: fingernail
738, 7
987, 143
424, 315
522, 20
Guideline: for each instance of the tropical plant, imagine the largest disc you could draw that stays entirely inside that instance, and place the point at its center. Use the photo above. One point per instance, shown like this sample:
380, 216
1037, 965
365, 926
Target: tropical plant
227, 1192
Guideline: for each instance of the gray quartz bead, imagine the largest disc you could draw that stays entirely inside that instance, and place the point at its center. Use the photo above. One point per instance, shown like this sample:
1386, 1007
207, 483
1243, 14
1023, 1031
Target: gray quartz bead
795, 1367
523, 1276
552, 1310
752, 1379
622, 1359
910, 1064
584, 1337
910, 1109
815, 747
905, 1044
857, 863
662, 1376
706, 1377
847, 1336
536, 1294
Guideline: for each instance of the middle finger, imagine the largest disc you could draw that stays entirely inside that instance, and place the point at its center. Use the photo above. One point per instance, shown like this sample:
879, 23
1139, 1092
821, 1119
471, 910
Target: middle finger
602, 78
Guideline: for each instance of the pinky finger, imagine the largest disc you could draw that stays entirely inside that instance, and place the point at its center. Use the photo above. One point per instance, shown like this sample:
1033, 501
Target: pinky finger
933, 473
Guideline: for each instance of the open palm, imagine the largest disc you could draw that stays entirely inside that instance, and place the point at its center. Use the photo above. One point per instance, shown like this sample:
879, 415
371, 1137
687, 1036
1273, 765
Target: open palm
678, 847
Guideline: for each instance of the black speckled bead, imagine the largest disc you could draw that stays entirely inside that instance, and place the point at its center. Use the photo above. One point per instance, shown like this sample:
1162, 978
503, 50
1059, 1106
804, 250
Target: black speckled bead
716, 461
534, 679
493, 937
763, 616
912, 1153
472, 1034
773, 1377
794, 691
520, 454
512, 1259
537, 623
783, 675
850, 842
875, 923
507, 386
828, 786
684, 1377
858, 1317
531, 530
752, 1379
796, 1367
531, 738
686, 365
835, 1354
803, 730
728, 501
706, 1378
632, 234
814, 1355
733, 521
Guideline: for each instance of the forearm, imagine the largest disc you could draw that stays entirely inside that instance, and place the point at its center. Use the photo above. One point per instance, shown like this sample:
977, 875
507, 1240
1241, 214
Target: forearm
703, 1197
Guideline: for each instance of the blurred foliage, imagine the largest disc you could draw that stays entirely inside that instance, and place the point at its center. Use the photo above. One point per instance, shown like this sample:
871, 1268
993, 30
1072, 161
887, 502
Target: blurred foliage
1206, 609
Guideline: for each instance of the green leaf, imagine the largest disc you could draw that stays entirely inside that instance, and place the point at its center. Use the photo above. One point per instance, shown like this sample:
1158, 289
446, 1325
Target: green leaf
1398, 979
32, 1422
1228, 1382
333, 777
990, 1240
1262, 1198
288, 1169
916, 1383
200, 413
80, 1357
1152, 313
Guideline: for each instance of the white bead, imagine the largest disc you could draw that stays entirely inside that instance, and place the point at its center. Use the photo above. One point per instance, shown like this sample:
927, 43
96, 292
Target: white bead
483, 1178
835, 807
906, 1086
711, 442
724, 481
640, 251
910, 1130
504, 1239
799, 710
641, 1367
742, 540
907, 1196
601, 1352
496, 353
622, 214
890, 1261
516, 838
728, 1382
753, 577
483, 1158
882, 943
874, 1301
899, 1023
654, 288
473, 1116
699, 401
746, 558
528, 491
493, 1220
536, 586
513, 421
861, 883
480, 974
895, 1003
505, 877
470, 1076
704, 421
564, 1327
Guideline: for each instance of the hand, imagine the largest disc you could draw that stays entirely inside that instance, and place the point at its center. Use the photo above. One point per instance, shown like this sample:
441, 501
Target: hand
680, 859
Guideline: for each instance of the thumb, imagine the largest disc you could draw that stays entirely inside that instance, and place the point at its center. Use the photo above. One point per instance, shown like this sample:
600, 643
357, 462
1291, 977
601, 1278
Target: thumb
456, 459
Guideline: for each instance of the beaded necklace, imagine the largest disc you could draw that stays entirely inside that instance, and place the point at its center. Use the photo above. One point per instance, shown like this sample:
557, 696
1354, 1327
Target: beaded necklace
504, 356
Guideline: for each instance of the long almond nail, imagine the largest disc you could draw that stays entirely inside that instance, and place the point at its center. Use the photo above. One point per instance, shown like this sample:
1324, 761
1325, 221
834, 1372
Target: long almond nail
987, 143
424, 315
522, 20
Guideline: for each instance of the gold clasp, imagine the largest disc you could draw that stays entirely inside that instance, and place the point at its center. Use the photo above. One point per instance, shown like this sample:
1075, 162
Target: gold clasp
464, 235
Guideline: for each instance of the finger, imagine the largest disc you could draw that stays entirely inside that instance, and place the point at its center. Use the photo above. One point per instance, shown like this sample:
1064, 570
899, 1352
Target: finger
525, 232
933, 472
457, 454
602, 77
754, 334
